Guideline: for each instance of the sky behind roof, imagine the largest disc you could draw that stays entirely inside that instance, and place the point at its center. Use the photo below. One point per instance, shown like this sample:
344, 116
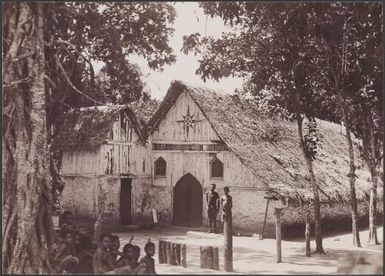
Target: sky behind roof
189, 19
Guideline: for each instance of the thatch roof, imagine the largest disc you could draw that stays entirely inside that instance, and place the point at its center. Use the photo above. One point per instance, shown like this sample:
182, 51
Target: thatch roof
144, 110
89, 127
269, 147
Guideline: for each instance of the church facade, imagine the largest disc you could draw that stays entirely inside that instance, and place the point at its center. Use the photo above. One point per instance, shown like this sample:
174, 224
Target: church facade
188, 156
198, 137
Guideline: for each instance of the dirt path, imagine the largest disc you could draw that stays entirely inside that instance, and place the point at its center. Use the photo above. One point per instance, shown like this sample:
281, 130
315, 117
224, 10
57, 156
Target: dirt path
253, 256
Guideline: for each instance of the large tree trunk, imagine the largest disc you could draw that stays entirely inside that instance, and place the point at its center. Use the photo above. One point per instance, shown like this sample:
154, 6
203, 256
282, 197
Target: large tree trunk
351, 174
27, 223
317, 207
307, 233
373, 191
373, 208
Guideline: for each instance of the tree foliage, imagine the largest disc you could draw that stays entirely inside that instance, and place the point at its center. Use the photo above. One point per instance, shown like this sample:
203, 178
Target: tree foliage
320, 60
350, 41
272, 46
79, 33
109, 33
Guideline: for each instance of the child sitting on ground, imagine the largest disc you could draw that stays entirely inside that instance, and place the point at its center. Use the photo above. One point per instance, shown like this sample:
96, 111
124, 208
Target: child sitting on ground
148, 259
128, 256
76, 237
136, 253
102, 259
115, 245
128, 263
67, 249
84, 253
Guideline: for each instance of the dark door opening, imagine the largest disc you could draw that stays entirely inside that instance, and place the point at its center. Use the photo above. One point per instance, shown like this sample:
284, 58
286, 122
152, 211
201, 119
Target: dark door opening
188, 202
125, 201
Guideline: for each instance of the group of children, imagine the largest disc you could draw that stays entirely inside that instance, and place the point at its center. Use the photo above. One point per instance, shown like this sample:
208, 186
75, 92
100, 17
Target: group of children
79, 254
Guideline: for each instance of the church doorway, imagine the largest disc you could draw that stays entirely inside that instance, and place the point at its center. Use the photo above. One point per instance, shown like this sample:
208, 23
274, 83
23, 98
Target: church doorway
125, 201
188, 202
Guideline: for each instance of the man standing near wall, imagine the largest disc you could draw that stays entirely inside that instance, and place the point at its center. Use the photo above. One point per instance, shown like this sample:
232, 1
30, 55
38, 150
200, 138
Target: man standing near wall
212, 199
227, 205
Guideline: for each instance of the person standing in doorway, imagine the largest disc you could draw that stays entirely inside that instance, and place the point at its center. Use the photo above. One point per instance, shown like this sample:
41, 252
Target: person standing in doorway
212, 199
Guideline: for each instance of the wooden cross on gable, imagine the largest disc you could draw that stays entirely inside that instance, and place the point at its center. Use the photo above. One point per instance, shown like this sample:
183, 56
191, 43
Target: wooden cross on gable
188, 121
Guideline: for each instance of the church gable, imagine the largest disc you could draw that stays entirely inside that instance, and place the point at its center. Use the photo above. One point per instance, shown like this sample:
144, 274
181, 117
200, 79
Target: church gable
184, 122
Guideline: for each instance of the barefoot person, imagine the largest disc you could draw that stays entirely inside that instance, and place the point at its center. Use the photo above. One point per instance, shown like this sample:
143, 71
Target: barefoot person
212, 199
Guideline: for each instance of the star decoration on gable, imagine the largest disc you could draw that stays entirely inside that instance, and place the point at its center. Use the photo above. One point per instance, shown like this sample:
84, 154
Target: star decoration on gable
188, 121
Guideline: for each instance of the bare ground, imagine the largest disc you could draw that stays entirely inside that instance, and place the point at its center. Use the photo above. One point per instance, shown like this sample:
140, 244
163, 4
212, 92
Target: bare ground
254, 256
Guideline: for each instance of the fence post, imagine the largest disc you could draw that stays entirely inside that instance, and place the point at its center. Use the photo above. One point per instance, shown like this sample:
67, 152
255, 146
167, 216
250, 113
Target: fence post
207, 257
184, 255
277, 213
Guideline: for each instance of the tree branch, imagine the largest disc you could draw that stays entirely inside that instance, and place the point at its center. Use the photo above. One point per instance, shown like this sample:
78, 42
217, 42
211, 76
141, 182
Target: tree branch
16, 59
15, 83
16, 41
64, 73
87, 59
50, 81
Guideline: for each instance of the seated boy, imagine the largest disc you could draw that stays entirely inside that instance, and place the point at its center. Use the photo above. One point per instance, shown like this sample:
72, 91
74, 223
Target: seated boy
84, 253
148, 259
127, 263
67, 249
115, 245
102, 259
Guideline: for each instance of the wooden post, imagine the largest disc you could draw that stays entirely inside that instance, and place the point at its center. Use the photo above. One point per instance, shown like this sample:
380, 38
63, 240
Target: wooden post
207, 257
164, 251
277, 213
228, 244
307, 234
184, 255
173, 253
160, 252
178, 253
264, 220
215, 258
160, 257
169, 254
100, 207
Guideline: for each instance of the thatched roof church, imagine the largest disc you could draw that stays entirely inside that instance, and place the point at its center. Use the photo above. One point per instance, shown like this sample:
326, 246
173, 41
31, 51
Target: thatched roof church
197, 137
269, 147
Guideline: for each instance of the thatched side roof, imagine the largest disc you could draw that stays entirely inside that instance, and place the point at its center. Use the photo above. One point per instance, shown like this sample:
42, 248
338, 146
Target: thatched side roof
270, 148
144, 110
88, 128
